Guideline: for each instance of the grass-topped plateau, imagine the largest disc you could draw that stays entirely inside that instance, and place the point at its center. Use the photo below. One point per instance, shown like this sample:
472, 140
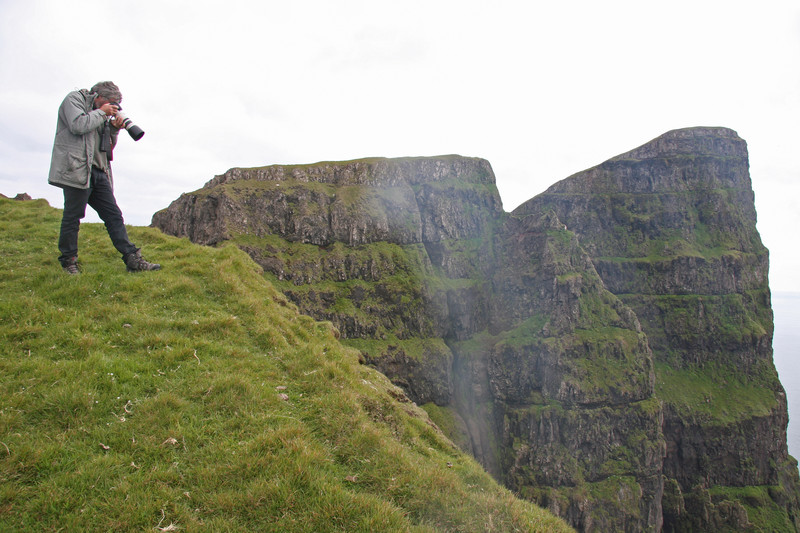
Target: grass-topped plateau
196, 398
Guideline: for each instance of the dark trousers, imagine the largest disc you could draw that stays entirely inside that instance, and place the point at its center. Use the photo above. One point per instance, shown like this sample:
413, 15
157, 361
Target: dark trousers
100, 197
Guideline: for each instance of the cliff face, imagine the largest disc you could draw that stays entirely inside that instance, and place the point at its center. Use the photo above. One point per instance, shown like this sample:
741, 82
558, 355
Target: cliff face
402, 201
671, 229
604, 350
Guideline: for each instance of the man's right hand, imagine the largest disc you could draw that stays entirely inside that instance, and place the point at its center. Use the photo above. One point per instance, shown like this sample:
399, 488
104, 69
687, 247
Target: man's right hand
109, 109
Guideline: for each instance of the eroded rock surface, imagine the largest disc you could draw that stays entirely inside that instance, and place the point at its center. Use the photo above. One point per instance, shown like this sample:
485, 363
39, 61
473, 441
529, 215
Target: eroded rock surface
604, 350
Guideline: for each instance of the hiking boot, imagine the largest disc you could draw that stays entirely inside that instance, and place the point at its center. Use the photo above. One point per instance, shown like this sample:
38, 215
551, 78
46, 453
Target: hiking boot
70, 266
136, 263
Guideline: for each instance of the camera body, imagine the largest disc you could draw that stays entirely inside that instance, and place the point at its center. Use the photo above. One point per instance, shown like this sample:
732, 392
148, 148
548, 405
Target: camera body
134, 131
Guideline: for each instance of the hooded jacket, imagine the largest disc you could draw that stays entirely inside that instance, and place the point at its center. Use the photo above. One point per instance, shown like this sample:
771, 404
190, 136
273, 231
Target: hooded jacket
77, 132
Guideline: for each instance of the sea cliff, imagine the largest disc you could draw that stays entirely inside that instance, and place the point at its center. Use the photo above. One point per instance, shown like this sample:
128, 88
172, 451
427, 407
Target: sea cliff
604, 349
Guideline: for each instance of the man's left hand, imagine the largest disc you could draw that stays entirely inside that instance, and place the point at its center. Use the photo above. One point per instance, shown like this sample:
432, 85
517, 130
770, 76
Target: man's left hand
118, 122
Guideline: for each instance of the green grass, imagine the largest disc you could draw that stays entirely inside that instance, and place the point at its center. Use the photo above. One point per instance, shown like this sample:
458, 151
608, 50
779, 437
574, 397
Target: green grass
196, 398
715, 395
762, 511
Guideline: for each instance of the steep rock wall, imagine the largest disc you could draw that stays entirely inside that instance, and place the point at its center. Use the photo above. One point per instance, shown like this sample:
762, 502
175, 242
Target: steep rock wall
546, 340
671, 229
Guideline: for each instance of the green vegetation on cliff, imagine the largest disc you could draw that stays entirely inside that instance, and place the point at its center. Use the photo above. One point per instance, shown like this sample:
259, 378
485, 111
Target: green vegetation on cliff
671, 230
591, 348
197, 397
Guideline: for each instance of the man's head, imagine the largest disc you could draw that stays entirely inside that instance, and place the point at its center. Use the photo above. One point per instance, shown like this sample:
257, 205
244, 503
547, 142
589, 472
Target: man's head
108, 91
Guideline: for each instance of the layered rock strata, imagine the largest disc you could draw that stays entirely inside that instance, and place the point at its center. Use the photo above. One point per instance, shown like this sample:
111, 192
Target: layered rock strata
604, 350
671, 230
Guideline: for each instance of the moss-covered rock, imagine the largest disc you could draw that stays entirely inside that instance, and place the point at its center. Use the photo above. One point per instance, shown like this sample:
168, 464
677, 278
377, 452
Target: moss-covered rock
670, 227
546, 341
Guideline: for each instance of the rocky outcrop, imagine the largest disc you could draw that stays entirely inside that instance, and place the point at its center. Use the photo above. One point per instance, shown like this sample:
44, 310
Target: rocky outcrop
671, 229
403, 201
605, 348
23, 197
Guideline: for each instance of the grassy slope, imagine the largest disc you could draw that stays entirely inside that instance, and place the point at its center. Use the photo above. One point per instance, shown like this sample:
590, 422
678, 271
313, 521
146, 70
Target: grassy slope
153, 401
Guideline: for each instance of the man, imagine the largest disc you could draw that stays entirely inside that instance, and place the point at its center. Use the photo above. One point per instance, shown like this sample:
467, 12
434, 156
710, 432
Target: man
86, 134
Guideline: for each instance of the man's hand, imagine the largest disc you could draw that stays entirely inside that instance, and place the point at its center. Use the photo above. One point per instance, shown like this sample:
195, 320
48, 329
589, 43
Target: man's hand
109, 109
118, 122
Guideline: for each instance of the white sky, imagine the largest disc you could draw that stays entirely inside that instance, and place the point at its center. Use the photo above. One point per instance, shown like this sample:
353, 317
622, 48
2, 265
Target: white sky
540, 89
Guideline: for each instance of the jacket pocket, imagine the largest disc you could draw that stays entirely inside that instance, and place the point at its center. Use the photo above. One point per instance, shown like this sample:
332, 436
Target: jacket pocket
74, 162
70, 166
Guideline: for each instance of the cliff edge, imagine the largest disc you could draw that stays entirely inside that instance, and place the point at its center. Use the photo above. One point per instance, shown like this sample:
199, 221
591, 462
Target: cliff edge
604, 350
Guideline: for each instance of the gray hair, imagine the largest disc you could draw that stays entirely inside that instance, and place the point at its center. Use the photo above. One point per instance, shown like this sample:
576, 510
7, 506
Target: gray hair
108, 90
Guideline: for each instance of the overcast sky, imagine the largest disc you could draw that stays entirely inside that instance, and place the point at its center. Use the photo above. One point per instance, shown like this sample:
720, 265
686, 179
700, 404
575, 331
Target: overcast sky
540, 89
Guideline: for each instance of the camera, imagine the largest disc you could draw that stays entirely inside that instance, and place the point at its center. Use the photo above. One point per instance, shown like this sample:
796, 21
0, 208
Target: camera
134, 131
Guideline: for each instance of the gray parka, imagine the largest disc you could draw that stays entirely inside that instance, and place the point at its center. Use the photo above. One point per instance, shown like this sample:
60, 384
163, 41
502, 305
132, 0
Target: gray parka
77, 132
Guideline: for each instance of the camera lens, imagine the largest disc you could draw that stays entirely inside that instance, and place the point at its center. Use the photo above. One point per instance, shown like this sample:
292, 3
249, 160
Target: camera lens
133, 130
